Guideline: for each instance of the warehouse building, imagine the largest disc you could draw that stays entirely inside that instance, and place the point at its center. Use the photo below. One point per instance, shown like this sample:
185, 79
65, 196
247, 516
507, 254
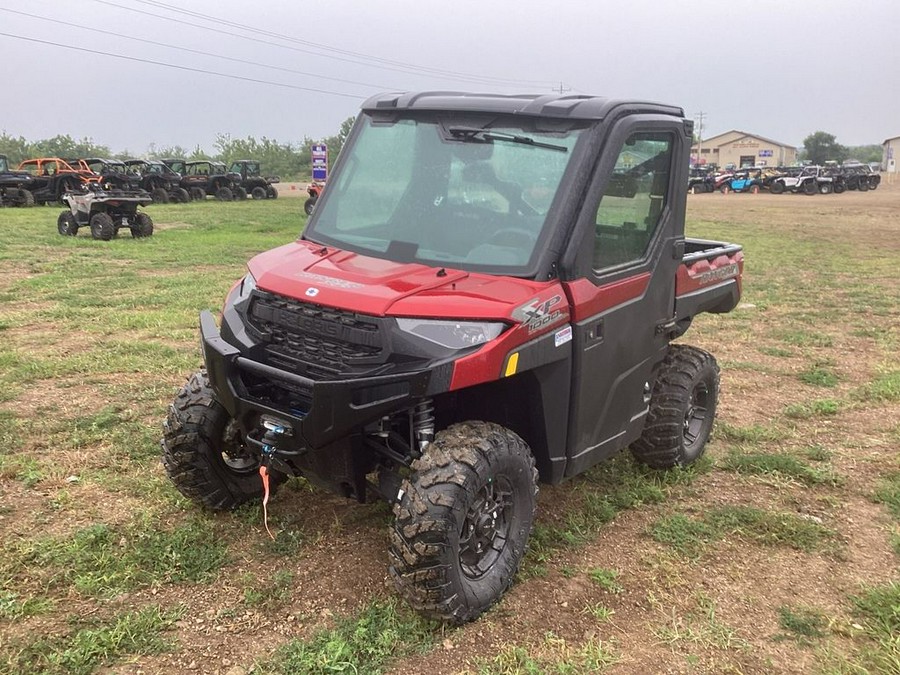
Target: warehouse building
889, 151
738, 148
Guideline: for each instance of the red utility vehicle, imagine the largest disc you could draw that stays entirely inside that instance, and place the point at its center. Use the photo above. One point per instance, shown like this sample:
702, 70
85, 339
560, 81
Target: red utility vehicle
485, 298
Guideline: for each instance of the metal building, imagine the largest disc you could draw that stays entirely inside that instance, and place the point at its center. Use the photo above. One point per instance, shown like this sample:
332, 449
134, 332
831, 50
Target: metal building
739, 148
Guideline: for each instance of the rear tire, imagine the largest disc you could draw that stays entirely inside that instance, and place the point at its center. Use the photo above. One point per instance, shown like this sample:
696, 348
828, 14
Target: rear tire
198, 194
25, 198
240, 194
181, 196
66, 224
682, 409
102, 227
204, 454
142, 226
160, 196
224, 194
258, 192
825, 188
810, 187
463, 519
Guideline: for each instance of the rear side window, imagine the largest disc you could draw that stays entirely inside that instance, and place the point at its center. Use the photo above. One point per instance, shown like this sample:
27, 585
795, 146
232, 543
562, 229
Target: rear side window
633, 203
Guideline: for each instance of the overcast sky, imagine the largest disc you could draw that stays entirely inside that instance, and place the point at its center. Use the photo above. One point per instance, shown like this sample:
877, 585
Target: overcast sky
781, 69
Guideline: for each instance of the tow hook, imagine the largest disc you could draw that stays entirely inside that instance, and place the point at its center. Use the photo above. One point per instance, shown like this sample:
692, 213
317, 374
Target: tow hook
275, 432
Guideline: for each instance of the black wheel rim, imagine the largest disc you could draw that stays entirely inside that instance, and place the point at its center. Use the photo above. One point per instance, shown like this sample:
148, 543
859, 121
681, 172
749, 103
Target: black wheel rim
695, 416
235, 455
485, 530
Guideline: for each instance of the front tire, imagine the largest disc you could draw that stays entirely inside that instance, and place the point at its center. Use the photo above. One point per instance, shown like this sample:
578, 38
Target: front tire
271, 192
198, 194
682, 409
181, 196
258, 192
204, 454
463, 519
224, 194
309, 206
240, 193
160, 196
66, 224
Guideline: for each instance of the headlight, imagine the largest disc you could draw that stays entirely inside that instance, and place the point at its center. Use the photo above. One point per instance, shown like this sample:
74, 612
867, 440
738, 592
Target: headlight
452, 334
241, 291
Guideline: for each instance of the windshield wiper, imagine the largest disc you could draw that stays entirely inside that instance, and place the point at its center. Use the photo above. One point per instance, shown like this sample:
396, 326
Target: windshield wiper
476, 135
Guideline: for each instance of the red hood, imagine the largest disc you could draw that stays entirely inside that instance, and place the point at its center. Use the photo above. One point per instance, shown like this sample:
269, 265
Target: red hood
358, 283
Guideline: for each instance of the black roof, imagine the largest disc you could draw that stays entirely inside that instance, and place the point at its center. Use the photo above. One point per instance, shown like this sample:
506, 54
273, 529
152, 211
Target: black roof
533, 105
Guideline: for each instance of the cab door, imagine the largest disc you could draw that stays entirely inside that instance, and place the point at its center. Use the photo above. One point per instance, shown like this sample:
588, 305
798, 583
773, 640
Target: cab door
630, 239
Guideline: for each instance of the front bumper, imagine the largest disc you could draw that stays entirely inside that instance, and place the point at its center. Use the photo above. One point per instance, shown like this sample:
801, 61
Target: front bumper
335, 408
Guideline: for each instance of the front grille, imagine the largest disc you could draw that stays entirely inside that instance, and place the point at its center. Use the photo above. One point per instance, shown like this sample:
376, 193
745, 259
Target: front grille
314, 340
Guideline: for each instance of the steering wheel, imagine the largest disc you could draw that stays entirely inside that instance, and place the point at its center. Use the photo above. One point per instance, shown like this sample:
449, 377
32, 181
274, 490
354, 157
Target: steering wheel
512, 237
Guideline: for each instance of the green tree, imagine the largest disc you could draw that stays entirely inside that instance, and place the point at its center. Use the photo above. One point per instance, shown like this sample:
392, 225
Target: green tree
865, 153
820, 147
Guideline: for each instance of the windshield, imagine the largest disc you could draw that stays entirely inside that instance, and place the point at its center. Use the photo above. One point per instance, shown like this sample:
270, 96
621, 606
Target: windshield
462, 194
252, 168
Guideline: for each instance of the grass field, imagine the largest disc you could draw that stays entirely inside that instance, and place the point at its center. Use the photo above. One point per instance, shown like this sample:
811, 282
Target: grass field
778, 553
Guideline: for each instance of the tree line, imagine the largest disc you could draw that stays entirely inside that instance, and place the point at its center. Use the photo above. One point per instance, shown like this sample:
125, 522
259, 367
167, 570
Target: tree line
820, 147
288, 160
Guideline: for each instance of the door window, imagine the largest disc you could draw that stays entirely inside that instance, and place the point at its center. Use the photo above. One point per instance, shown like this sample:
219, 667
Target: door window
631, 208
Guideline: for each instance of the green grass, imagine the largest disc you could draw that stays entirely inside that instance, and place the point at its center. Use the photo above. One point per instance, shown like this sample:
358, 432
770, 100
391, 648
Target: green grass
606, 579
700, 626
883, 389
364, 643
888, 493
271, 592
94, 645
553, 656
825, 407
780, 465
820, 374
802, 623
104, 560
692, 536
611, 487
754, 434
878, 608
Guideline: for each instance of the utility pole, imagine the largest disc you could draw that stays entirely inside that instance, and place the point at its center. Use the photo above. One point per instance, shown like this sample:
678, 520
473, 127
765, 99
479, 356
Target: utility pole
700, 116
562, 89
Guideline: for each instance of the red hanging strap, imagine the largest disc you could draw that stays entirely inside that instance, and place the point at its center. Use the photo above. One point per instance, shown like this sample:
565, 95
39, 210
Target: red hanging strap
264, 474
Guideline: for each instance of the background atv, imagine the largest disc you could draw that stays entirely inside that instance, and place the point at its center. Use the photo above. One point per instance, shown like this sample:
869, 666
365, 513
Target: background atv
113, 173
15, 186
701, 180
798, 180
53, 177
163, 184
743, 180
314, 190
258, 186
204, 177
106, 212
